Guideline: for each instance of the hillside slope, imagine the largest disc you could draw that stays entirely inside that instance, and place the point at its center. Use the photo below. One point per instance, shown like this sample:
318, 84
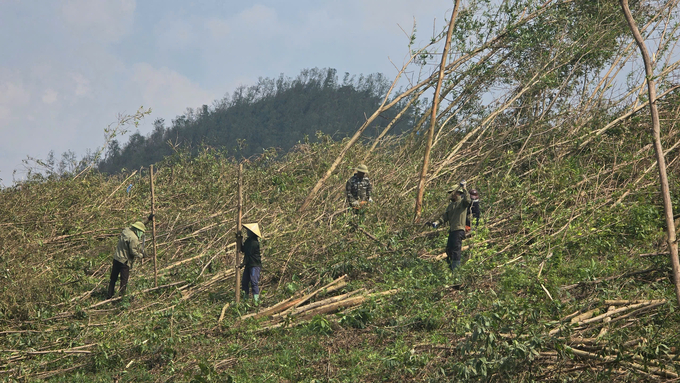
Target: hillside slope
551, 220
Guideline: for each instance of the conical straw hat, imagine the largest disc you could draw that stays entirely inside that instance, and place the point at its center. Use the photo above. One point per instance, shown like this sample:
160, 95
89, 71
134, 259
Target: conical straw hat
254, 227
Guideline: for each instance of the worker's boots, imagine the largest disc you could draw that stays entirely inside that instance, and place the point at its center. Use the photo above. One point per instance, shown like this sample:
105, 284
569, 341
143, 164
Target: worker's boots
455, 263
256, 299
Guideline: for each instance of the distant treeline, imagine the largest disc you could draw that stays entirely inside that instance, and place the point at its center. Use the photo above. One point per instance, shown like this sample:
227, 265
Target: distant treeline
274, 113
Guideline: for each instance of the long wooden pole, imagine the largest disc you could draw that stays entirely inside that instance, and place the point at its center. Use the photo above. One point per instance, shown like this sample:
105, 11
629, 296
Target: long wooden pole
153, 228
239, 238
433, 117
658, 149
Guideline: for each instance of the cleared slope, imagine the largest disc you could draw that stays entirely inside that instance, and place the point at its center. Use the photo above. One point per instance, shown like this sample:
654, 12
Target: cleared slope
554, 241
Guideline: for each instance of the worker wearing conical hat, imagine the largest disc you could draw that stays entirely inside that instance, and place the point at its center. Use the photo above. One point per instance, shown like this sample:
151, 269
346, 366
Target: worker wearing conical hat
129, 249
252, 261
455, 214
358, 188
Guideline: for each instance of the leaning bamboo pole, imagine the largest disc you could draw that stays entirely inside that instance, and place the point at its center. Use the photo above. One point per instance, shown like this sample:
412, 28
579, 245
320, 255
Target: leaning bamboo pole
658, 149
153, 228
433, 117
239, 216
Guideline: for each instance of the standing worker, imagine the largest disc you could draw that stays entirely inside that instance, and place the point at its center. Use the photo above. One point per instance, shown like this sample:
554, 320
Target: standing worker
252, 261
358, 188
455, 214
130, 247
474, 211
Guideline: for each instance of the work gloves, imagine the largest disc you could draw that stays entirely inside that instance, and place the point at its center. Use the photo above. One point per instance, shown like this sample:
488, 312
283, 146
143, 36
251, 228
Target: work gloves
359, 204
463, 183
150, 217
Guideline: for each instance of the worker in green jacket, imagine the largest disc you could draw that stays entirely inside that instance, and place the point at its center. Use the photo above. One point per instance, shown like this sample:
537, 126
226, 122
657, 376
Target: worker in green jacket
455, 214
129, 249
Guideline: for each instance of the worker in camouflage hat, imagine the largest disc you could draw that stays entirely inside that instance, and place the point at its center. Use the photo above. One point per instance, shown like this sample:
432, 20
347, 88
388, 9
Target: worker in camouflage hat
358, 188
455, 214
130, 248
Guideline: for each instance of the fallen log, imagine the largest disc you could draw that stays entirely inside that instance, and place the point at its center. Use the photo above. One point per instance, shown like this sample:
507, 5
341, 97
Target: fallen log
65, 328
333, 307
333, 286
638, 311
579, 321
613, 312
292, 303
328, 301
283, 305
224, 309
586, 315
355, 301
568, 317
619, 302
607, 358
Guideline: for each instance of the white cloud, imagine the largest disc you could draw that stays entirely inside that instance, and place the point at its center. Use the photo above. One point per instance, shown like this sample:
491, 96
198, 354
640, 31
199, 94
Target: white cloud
167, 92
258, 16
13, 96
50, 96
175, 33
82, 84
108, 20
218, 28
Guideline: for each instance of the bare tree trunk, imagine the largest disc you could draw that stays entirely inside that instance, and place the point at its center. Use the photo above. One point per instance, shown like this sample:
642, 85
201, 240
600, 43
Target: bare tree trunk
661, 161
433, 116
239, 215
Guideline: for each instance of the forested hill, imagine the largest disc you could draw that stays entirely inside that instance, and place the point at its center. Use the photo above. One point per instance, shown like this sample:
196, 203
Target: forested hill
273, 113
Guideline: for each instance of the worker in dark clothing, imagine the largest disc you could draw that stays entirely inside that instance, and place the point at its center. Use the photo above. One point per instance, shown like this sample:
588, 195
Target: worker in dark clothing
455, 214
252, 261
473, 210
130, 248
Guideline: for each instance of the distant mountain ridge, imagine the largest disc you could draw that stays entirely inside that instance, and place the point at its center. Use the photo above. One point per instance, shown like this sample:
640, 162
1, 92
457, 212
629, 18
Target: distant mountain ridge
273, 113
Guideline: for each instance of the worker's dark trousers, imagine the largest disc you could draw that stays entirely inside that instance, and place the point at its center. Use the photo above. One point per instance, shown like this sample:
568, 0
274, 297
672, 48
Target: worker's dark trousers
251, 277
453, 248
124, 271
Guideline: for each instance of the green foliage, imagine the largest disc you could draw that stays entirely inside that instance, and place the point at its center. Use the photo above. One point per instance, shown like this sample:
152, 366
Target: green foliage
320, 325
357, 318
207, 374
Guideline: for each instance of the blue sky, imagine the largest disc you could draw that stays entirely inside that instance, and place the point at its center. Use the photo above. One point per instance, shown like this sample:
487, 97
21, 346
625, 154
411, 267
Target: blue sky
70, 67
